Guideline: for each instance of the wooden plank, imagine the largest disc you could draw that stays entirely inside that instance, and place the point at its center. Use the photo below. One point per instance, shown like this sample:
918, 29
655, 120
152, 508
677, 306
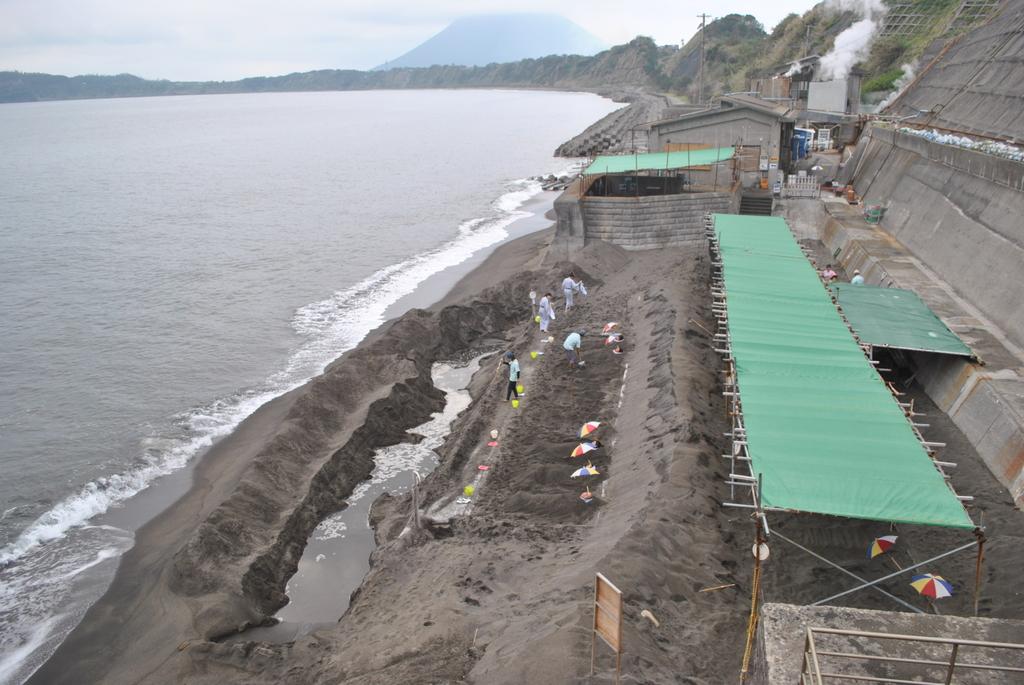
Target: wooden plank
608, 612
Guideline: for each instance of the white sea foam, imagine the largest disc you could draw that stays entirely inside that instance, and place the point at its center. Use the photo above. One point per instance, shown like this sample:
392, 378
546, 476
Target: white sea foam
11, 663
331, 528
330, 326
37, 572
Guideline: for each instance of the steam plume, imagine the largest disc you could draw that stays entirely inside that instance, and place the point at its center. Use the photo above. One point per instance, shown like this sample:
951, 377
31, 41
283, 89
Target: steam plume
853, 44
900, 85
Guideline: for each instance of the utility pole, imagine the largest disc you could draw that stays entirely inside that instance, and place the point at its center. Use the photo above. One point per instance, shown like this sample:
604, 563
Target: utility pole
700, 72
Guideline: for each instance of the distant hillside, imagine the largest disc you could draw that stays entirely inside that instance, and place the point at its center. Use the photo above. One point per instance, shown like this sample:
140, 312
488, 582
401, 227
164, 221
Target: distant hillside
495, 38
628, 67
737, 48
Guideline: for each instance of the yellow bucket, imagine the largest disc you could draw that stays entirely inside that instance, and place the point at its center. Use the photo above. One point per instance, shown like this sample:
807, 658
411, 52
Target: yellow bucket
468, 490
515, 404
533, 355
520, 389
536, 319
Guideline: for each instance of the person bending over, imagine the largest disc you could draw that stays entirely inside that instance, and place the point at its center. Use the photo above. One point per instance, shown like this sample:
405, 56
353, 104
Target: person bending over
573, 344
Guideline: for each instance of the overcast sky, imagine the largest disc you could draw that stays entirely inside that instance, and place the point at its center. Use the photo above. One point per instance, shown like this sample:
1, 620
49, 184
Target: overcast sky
223, 39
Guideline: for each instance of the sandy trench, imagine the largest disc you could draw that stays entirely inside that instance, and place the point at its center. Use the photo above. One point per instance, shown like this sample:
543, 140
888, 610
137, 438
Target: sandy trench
503, 595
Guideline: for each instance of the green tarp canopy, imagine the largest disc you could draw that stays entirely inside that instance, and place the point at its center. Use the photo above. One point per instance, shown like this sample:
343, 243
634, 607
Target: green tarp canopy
822, 429
620, 164
891, 317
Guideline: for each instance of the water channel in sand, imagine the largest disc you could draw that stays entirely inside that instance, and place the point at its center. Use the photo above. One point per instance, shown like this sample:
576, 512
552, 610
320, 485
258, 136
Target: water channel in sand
337, 554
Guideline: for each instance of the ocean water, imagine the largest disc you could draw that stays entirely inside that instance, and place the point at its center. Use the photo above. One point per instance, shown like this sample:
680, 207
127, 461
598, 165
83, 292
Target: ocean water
167, 265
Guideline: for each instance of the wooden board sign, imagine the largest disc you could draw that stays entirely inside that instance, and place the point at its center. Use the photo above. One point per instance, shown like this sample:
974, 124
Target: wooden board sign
607, 620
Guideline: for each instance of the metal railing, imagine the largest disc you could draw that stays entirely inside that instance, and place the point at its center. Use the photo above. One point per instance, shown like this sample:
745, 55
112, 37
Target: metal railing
822, 666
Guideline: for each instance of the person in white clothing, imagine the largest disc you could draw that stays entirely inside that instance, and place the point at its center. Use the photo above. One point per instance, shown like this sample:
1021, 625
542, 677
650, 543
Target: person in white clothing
546, 312
569, 286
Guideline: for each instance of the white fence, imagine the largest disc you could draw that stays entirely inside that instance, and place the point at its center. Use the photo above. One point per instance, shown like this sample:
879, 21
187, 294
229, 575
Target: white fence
801, 186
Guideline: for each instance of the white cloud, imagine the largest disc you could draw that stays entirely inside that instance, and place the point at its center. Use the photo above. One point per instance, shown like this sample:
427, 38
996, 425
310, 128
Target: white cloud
197, 39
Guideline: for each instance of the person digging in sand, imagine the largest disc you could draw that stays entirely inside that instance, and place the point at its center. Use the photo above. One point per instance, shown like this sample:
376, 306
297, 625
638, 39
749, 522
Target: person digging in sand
573, 344
546, 312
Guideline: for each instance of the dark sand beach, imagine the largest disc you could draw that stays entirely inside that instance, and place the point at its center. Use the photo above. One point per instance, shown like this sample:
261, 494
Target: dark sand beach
501, 592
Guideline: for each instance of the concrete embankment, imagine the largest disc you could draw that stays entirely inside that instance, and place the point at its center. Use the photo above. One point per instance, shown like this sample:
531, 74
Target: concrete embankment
957, 210
985, 399
624, 130
635, 223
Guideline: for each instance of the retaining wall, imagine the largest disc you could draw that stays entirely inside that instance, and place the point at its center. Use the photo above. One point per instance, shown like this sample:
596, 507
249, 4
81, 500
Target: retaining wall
985, 401
651, 222
782, 633
635, 223
959, 211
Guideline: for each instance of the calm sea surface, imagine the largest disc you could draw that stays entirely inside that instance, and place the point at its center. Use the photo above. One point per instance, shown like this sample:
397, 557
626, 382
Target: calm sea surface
169, 264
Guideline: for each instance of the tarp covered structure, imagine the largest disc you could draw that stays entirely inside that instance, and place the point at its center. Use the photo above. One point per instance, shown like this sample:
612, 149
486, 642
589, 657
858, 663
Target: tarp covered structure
649, 161
822, 429
892, 317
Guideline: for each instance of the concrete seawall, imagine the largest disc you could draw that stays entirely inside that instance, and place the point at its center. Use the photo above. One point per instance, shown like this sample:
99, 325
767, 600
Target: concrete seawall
958, 211
651, 222
985, 400
635, 223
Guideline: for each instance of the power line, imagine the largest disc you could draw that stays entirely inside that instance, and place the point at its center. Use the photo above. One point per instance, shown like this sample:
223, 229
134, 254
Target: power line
704, 19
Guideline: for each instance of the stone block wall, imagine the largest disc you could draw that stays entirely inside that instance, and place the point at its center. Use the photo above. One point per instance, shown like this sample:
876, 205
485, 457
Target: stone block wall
647, 223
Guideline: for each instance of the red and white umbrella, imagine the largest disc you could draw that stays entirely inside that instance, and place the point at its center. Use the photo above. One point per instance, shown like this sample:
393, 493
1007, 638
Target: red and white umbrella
584, 447
881, 545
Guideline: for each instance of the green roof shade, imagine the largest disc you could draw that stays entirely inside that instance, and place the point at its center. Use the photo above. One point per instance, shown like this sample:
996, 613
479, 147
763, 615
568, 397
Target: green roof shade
822, 428
620, 164
891, 317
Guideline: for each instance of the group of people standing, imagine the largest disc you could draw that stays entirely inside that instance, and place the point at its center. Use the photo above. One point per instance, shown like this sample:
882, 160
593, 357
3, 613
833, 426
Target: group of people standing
546, 314
546, 310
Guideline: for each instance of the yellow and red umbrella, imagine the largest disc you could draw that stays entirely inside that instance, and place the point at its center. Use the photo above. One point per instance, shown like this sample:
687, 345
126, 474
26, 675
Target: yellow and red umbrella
610, 326
932, 586
589, 427
881, 545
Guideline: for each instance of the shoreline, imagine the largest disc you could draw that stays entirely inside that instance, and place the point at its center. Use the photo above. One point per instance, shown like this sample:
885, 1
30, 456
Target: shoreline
178, 503
503, 592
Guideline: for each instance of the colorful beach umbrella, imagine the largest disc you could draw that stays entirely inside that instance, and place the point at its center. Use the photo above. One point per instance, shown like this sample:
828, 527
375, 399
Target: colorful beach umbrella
589, 427
932, 586
881, 545
587, 470
584, 447
610, 326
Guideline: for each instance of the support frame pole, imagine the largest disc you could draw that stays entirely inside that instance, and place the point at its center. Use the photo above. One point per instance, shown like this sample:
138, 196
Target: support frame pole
875, 582
849, 573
